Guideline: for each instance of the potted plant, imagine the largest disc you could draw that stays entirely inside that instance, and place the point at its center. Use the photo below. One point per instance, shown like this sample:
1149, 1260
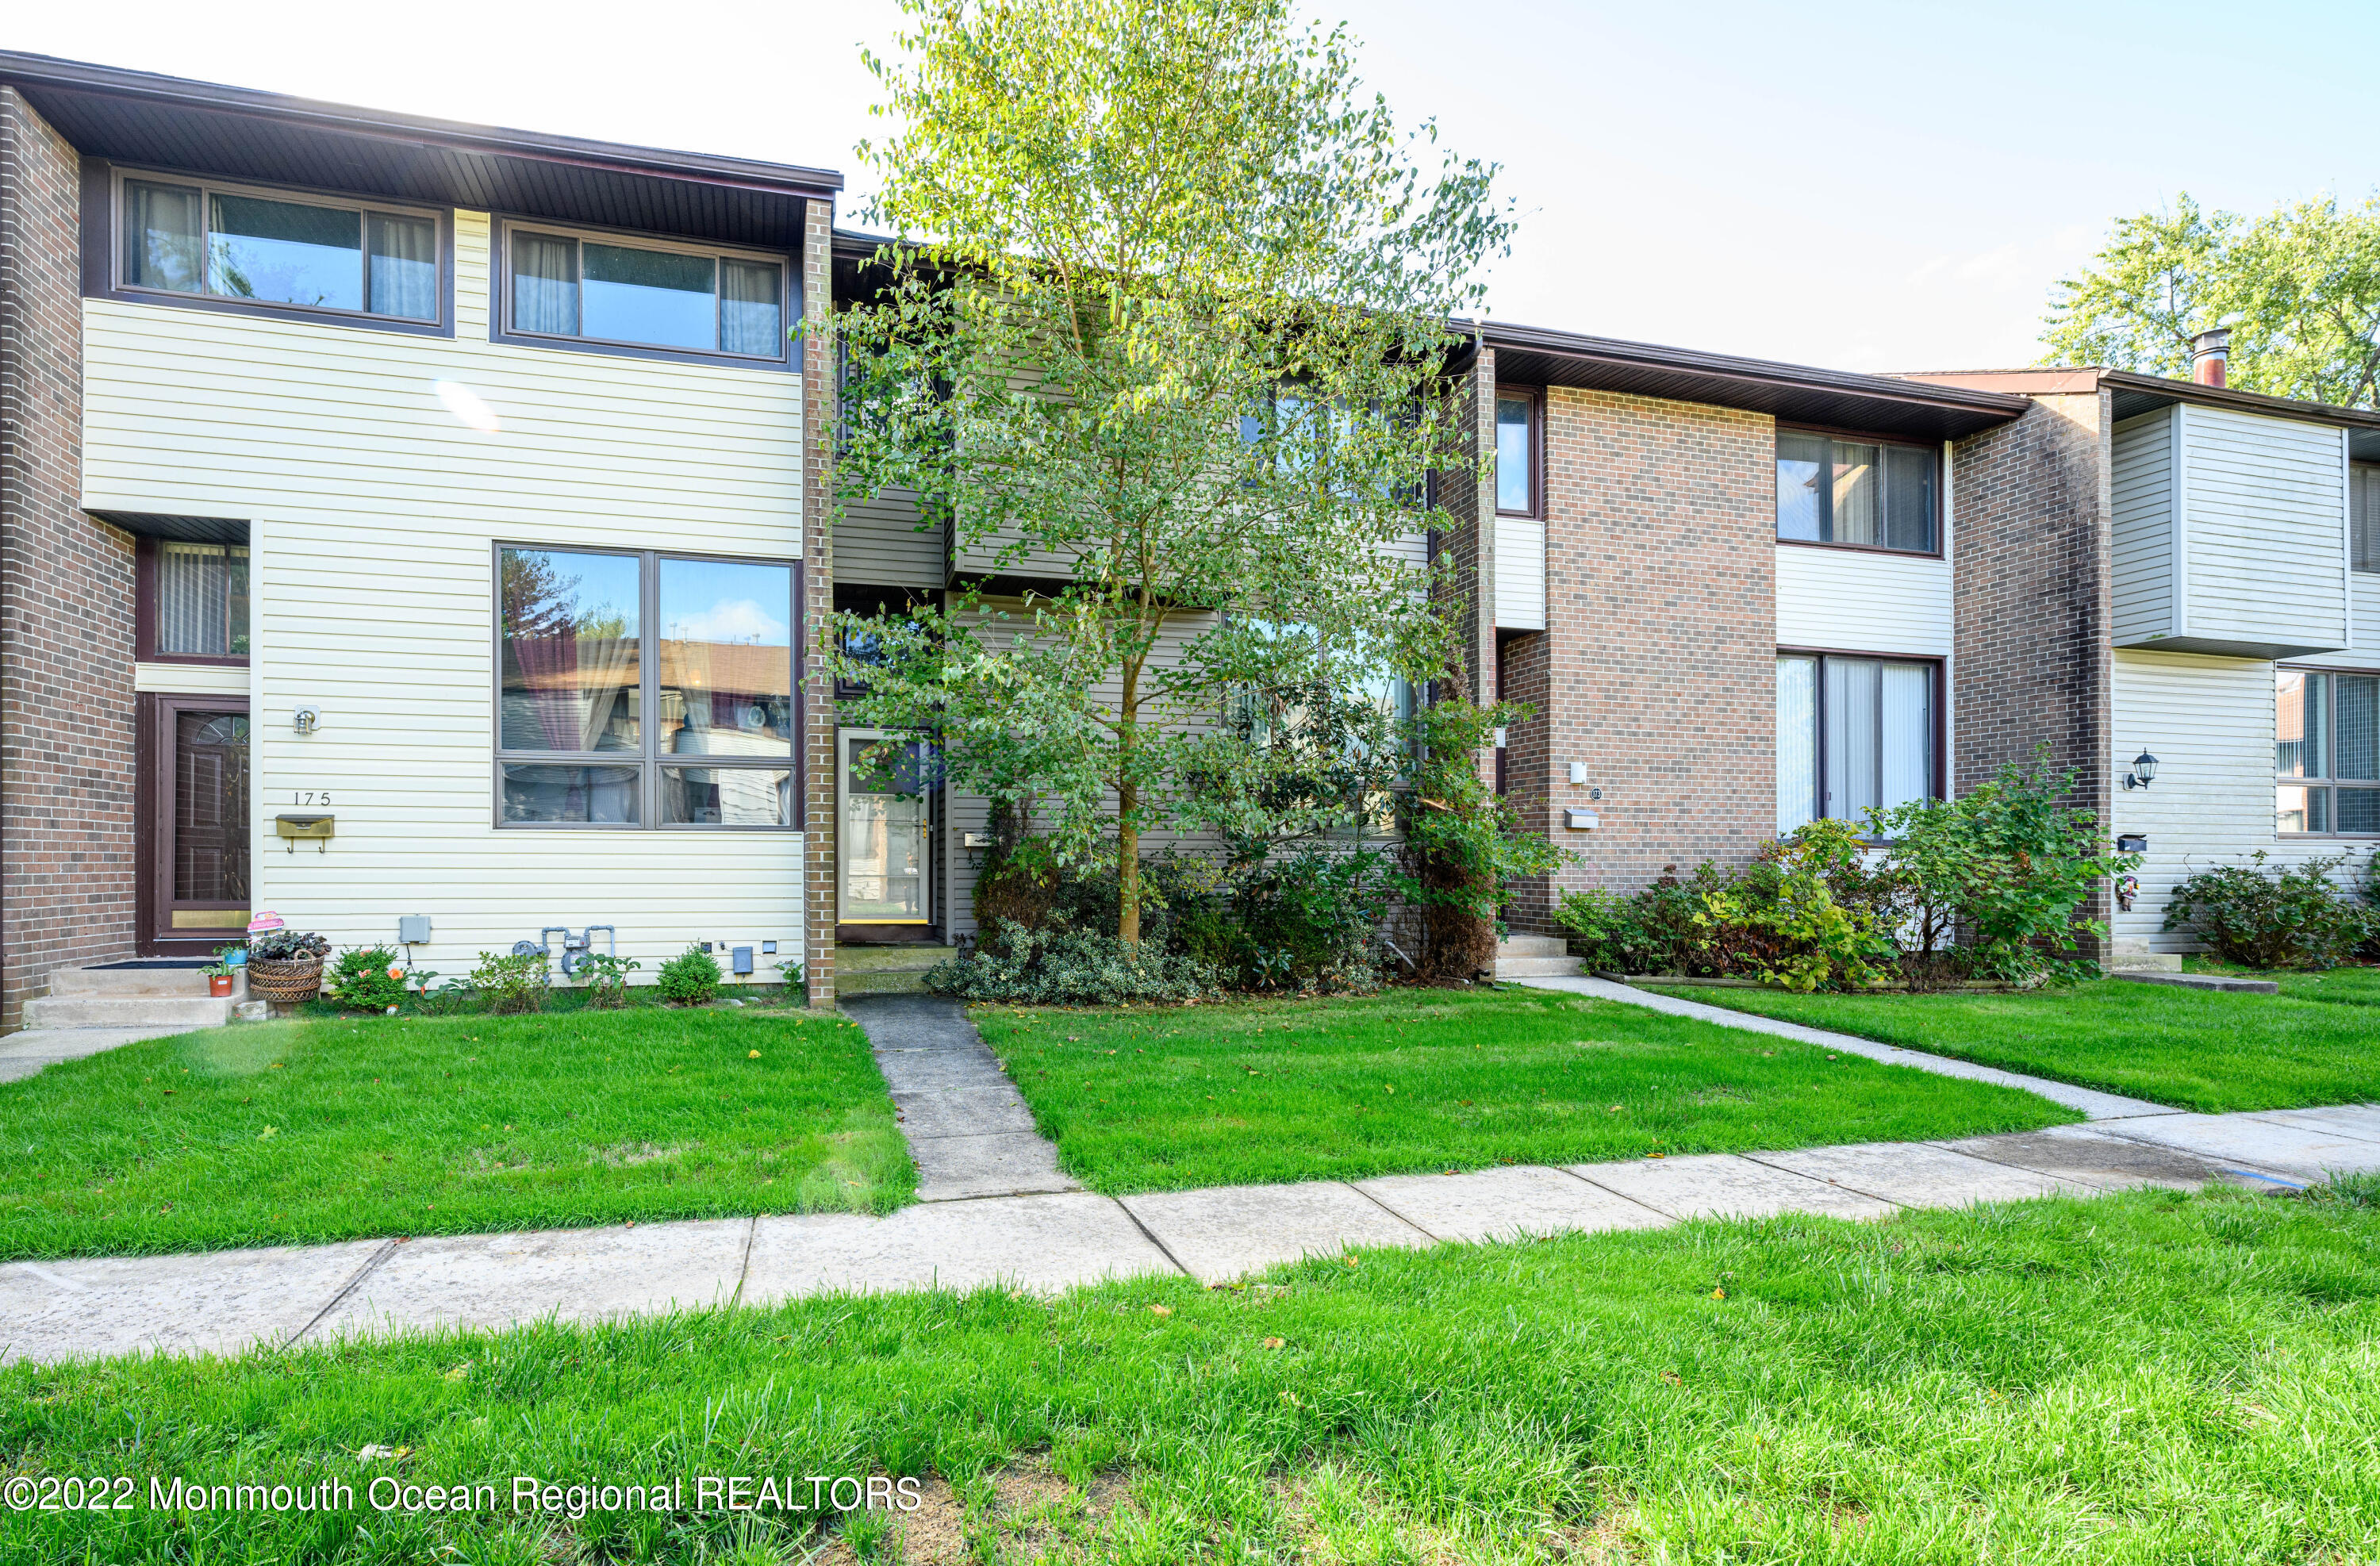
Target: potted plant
220, 973
286, 965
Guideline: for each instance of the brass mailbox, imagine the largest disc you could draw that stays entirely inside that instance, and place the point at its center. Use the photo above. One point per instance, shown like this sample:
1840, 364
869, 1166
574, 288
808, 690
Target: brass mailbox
320, 829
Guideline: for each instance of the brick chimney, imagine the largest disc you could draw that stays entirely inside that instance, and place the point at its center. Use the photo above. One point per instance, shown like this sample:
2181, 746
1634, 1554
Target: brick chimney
2209, 353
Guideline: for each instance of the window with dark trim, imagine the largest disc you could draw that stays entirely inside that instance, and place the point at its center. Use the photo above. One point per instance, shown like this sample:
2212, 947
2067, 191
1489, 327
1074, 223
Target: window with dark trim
1844, 489
193, 601
1518, 422
645, 294
199, 239
2364, 511
635, 689
2326, 753
1854, 734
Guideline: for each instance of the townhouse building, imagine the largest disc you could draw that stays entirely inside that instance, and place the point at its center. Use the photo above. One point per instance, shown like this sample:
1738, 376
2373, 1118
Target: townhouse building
410, 521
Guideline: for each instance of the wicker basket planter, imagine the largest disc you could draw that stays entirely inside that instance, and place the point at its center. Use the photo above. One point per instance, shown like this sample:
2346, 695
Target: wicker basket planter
285, 979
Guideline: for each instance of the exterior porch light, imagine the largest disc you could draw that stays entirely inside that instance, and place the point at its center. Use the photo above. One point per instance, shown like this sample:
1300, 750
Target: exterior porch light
2145, 769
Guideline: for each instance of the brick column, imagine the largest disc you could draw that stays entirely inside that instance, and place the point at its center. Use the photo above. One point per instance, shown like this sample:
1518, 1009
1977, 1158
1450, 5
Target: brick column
66, 772
2031, 554
817, 594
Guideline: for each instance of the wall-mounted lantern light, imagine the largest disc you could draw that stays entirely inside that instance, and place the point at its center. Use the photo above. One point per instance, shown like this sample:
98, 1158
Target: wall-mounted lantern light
306, 719
2143, 771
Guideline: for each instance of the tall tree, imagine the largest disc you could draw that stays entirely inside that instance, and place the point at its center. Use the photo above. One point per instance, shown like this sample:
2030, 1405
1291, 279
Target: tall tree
2300, 288
1164, 341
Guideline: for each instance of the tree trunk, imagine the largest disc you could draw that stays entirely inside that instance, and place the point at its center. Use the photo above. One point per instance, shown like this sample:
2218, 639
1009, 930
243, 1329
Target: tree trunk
1128, 810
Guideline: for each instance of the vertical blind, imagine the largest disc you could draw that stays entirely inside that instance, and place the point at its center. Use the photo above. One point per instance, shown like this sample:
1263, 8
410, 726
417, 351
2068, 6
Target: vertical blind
1854, 734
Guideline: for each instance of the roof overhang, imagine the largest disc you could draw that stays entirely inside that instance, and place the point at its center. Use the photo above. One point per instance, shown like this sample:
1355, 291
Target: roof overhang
2132, 395
230, 132
1793, 393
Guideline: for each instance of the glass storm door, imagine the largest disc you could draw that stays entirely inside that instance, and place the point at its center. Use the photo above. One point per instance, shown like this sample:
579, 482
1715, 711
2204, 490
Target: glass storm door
881, 849
200, 869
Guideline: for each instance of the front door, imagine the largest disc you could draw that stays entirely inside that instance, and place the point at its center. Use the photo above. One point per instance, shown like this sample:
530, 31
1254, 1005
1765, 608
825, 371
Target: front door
880, 785
195, 888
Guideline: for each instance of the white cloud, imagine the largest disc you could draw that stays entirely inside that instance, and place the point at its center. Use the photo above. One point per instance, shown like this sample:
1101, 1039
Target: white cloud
731, 620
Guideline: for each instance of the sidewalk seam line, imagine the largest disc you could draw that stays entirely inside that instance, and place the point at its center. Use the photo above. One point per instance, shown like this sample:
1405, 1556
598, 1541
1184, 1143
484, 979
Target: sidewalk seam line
1854, 1190
1150, 1235
1433, 1239
744, 1272
1600, 1185
372, 1265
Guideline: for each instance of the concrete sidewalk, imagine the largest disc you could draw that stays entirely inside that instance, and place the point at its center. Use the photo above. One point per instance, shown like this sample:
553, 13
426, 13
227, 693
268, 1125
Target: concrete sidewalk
1046, 1240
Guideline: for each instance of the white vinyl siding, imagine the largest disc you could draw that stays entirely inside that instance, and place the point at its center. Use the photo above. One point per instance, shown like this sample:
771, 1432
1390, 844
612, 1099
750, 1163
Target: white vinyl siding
2247, 543
1863, 600
1520, 575
2210, 723
190, 679
372, 511
2143, 481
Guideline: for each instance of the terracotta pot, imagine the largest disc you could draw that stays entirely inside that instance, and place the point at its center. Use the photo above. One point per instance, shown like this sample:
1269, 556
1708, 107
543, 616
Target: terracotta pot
219, 985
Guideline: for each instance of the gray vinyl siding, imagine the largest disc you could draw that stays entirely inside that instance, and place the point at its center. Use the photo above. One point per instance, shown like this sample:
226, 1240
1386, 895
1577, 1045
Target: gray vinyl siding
2265, 511
2143, 481
879, 543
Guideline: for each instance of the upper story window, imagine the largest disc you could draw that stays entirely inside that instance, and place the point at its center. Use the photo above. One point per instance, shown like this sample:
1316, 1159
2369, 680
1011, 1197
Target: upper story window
306, 253
2363, 512
194, 602
648, 295
1875, 494
1516, 453
2326, 752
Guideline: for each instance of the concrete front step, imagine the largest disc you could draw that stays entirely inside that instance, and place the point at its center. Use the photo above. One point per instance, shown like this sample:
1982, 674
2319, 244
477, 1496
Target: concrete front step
1538, 967
127, 1011
1533, 946
168, 983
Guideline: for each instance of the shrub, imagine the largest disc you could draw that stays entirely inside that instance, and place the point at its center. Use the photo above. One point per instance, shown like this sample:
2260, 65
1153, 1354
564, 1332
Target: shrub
1806, 910
691, 978
1463, 844
512, 983
2289, 917
367, 978
1309, 919
606, 979
1071, 969
287, 946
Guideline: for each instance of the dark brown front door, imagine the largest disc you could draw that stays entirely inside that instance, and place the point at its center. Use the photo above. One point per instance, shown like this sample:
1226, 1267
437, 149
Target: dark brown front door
195, 891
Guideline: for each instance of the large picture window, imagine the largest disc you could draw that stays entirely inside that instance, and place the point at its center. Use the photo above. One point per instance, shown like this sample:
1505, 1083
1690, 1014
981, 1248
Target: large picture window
1516, 453
1854, 734
1875, 494
2326, 753
643, 689
305, 253
646, 294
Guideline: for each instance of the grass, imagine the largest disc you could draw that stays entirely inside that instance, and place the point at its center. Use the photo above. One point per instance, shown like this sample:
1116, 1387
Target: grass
2350, 985
2149, 1378
1412, 1081
300, 1131
2195, 1050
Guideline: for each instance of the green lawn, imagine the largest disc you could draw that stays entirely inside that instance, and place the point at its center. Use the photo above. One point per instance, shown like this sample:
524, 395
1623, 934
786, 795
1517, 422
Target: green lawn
296, 1132
2196, 1050
2350, 986
1416, 1081
2144, 1378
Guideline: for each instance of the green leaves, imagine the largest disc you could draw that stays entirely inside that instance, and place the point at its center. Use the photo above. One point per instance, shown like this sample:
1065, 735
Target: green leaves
2300, 288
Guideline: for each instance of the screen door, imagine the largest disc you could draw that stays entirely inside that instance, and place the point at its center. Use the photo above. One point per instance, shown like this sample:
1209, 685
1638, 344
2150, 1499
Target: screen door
881, 848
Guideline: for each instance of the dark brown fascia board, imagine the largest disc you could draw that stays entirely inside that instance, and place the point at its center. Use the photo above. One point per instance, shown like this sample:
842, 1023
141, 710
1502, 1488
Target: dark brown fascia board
1727, 367
2061, 379
43, 71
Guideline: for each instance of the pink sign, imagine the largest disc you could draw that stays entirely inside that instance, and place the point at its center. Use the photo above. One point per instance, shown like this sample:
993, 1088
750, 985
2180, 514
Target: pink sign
264, 921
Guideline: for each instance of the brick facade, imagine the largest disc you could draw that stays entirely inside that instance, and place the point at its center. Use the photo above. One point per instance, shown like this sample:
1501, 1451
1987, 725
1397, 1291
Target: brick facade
66, 774
2030, 546
1657, 668
817, 592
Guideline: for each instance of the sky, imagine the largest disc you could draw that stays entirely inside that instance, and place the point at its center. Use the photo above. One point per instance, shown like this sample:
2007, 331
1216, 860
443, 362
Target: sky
1860, 186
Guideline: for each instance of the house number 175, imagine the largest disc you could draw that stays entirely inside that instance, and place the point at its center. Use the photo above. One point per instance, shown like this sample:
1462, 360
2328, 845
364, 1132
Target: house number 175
310, 797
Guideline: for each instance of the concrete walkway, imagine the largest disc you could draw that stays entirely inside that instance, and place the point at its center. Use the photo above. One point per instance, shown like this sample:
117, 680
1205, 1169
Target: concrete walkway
971, 1135
26, 1051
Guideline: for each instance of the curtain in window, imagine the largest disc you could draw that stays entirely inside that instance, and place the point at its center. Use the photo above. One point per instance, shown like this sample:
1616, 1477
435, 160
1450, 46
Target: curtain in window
751, 312
1797, 742
545, 284
571, 642
2359, 727
1908, 498
163, 237
1859, 511
403, 267
1905, 735
194, 589
2364, 495
1853, 687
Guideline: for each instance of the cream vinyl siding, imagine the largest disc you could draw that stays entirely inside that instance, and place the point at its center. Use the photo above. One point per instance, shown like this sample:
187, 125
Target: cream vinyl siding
190, 679
1863, 600
2143, 479
372, 513
2209, 722
1520, 575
